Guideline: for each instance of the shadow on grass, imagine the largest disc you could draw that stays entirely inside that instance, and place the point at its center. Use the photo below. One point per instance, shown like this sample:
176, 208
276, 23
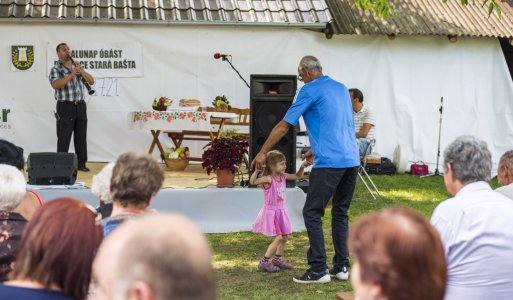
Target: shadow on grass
236, 254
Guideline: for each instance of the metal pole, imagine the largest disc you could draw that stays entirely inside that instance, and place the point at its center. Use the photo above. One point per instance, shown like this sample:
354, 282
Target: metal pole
437, 171
229, 61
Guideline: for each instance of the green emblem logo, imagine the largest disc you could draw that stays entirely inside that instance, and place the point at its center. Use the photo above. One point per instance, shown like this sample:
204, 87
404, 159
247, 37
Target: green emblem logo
22, 57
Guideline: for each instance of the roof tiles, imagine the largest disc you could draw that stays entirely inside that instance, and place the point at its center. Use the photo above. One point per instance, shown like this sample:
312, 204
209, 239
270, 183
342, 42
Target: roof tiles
246, 11
422, 17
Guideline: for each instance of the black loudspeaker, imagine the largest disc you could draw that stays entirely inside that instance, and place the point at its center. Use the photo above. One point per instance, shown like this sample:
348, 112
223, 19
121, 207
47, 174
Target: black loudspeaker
52, 168
270, 98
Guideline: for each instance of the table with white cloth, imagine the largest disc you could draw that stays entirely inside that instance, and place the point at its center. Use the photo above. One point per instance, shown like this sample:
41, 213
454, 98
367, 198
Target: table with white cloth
177, 120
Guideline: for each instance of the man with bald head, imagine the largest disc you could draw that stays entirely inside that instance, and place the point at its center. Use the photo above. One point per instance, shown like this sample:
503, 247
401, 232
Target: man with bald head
156, 257
505, 174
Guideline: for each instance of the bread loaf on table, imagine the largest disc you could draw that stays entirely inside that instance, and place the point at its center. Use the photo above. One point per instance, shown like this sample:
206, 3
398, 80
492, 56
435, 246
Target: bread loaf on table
189, 102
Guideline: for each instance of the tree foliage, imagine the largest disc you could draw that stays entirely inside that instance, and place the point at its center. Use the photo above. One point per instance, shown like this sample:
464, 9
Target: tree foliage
382, 8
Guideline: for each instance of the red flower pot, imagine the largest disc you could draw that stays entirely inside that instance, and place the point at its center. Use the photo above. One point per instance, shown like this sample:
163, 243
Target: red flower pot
225, 178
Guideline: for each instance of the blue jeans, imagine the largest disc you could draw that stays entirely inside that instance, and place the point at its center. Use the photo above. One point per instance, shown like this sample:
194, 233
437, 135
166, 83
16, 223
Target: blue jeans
325, 184
363, 146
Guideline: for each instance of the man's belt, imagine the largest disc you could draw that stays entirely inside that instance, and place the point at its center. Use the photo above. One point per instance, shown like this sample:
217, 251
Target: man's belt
76, 102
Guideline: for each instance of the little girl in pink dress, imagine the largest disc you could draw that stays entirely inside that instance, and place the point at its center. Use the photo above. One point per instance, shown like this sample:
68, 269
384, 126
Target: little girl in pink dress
273, 219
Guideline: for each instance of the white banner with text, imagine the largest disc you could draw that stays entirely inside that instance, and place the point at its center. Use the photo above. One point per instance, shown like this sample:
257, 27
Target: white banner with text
103, 59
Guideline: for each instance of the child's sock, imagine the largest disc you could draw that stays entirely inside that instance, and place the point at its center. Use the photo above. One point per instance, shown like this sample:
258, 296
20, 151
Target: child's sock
265, 259
277, 258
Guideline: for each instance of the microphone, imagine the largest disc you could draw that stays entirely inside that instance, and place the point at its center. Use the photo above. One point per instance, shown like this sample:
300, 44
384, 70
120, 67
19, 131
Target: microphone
219, 55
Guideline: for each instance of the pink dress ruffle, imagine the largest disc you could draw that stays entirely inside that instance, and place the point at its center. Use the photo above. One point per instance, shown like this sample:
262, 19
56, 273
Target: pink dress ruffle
273, 218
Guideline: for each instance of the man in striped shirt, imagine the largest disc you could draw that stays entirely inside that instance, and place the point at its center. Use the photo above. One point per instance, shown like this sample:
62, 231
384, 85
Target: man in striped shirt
363, 121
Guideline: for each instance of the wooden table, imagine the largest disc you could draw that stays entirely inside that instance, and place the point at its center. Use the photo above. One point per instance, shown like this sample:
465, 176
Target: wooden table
177, 120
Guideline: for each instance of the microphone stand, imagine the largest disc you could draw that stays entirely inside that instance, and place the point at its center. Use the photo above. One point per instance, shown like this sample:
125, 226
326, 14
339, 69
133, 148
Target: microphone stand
224, 58
437, 172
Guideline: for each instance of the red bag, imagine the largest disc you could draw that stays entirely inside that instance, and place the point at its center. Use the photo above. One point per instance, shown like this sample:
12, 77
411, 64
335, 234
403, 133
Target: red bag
419, 169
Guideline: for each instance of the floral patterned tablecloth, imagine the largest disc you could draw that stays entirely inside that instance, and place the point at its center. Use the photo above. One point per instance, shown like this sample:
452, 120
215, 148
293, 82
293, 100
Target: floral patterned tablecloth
174, 120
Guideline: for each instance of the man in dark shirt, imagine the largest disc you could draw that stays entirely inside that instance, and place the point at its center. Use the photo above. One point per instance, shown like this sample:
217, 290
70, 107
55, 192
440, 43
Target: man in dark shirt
12, 224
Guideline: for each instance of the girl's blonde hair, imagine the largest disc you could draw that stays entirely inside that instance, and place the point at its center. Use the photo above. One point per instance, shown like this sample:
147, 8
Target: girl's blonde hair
273, 157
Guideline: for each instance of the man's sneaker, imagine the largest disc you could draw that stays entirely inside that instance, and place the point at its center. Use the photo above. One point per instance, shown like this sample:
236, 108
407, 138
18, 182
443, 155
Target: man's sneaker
340, 273
282, 264
267, 266
313, 277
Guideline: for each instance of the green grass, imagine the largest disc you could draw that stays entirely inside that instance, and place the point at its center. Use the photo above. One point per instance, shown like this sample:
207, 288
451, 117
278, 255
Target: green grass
236, 254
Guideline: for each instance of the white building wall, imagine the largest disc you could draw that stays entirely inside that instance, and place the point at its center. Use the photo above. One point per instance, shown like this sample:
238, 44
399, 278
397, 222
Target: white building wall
402, 79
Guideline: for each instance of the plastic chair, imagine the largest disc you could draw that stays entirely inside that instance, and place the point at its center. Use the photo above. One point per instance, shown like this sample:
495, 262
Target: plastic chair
364, 176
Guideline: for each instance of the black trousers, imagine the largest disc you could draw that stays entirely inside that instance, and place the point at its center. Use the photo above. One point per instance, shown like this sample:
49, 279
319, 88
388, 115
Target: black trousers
72, 120
325, 184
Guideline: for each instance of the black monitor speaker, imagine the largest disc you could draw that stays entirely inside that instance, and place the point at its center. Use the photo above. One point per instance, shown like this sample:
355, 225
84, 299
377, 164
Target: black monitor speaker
270, 98
52, 168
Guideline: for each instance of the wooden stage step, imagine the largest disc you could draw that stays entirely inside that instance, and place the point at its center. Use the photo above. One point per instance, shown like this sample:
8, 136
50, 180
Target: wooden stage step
345, 296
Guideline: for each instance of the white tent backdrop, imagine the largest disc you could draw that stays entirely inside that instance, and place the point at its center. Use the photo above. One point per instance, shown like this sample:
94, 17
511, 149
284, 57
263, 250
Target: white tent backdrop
402, 79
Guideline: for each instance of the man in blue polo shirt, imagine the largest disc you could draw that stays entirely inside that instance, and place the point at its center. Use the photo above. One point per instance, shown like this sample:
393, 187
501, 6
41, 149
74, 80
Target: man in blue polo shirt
326, 108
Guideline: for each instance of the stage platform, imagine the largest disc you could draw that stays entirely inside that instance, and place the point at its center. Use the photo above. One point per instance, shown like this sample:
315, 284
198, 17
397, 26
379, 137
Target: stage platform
192, 177
193, 193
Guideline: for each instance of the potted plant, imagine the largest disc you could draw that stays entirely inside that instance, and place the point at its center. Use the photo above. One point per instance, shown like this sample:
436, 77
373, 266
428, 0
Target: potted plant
177, 159
223, 156
161, 103
221, 103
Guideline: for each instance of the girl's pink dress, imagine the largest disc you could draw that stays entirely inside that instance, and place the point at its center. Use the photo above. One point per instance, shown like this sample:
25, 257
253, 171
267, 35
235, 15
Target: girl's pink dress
273, 219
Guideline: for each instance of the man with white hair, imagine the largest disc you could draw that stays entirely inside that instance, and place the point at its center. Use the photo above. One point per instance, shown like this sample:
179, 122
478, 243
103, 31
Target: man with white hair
12, 191
505, 174
326, 108
157, 257
474, 225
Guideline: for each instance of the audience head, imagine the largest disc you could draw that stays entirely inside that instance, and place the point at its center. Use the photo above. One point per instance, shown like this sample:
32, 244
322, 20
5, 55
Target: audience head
309, 68
155, 257
101, 184
58, 246
466, 160
398, 255
136, 178
11, 154
505, 170
13, 187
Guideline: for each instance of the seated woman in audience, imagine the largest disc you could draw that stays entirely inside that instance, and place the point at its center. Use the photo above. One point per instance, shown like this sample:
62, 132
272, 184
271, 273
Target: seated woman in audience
398, 255
12, 155
101, 188
12, 191
56, 253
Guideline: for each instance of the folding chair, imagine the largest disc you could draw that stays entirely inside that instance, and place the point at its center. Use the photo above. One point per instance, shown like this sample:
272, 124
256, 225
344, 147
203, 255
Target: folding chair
363, 175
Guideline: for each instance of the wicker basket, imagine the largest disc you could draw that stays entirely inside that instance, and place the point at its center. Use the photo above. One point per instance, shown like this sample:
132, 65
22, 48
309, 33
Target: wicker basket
222, 108
177, 164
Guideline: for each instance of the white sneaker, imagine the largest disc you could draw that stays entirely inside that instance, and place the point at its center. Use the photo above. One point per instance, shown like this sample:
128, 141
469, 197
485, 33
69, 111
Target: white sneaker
340, 274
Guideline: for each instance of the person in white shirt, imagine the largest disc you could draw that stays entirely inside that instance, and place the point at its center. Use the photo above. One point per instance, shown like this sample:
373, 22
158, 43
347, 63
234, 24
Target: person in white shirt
363, 121
505, 174
474, 225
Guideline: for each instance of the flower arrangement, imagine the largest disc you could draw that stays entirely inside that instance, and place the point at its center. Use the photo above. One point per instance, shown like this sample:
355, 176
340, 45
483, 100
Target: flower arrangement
161, 103
221, 103
177, 153
224, 153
